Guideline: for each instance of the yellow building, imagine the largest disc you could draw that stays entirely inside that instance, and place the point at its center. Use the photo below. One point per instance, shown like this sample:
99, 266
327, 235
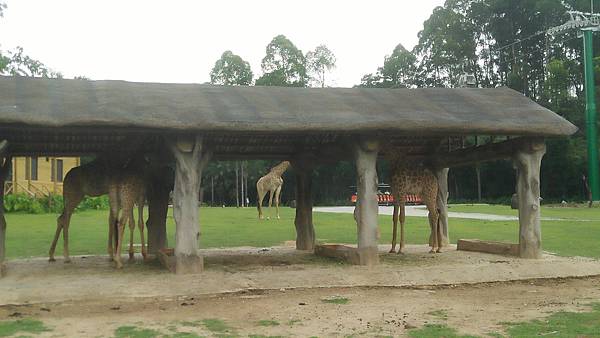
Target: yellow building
38, 176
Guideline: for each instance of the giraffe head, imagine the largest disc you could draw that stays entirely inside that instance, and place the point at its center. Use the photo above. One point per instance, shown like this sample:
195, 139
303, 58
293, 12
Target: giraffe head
281, 167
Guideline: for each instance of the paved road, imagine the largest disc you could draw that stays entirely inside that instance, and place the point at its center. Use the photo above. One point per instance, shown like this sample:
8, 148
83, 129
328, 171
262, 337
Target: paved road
421, 211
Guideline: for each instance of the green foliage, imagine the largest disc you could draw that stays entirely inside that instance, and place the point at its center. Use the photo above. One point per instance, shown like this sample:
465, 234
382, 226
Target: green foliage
134, 332
398, 71
320, 61
283, 65
49, 204
10, 328
94, 203
16, 63
231, 70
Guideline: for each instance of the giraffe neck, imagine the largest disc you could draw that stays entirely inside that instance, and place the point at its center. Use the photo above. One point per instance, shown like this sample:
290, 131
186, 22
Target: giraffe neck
280, 168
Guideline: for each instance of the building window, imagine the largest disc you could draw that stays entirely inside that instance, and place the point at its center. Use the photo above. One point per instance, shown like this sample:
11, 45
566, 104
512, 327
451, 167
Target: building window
34, 168
59, 170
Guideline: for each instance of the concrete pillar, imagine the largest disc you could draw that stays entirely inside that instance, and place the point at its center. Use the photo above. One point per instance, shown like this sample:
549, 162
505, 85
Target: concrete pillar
442, 203
305, 230
365, 154
190, 159
527, 161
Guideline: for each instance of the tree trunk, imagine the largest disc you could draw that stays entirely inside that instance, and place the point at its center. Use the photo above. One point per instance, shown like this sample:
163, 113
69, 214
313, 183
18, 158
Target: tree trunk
190, 159
158, 190
305, 231
478, 172
527, 161
4, 169
442, 203
366, 205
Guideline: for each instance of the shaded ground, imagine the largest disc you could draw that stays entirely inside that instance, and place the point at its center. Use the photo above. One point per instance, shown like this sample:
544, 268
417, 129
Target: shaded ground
282, 292
477, 310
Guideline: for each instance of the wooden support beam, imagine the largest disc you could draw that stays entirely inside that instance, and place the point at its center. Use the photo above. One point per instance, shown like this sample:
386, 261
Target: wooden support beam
305, 230
527, 161
190, 158
497, 248
476, 154
365, 154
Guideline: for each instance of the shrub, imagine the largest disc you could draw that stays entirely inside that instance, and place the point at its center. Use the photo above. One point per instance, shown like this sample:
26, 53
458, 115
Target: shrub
49, 204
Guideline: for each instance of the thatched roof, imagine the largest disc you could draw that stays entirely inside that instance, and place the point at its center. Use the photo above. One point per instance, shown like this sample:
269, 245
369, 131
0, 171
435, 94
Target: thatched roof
190, 107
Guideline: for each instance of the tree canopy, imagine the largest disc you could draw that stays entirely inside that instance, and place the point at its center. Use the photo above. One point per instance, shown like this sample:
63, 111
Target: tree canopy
283, 65
320, 61
231, 70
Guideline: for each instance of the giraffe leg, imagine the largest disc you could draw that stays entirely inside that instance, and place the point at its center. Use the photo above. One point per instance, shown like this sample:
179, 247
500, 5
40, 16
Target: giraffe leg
402, 220
270, 203
120, 233
71, 202
113, 222
261, 195
141, 226
277, 197
131, 232
433, 216
395, 227
67, 220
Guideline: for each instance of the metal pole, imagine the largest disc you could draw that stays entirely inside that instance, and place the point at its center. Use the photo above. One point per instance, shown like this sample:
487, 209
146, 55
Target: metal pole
591, 119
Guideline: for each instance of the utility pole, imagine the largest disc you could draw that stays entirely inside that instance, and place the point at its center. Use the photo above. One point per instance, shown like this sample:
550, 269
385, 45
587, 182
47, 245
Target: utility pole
587, 23
590, 113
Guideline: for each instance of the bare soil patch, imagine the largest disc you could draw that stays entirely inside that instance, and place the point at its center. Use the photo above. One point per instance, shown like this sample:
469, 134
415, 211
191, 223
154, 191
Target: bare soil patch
296, 293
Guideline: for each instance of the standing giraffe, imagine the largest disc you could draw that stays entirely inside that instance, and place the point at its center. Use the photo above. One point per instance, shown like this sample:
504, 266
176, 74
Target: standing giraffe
272, 183
125, 190
90, 179
421, 182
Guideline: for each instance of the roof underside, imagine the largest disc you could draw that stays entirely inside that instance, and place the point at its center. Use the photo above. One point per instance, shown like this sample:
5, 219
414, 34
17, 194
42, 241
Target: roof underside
50, 116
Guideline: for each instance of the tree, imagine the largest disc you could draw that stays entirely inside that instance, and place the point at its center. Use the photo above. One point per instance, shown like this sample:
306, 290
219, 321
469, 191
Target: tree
231, 70
283, 65
2, 8
16, 63
319, 61
398, 71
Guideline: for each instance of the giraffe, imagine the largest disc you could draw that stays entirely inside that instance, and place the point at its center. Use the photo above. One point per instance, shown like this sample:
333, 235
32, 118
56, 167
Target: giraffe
90, 179
272, 183
422, 182
125, 190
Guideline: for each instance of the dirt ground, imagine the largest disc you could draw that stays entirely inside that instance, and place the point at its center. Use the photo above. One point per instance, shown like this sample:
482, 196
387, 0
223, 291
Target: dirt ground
282, 292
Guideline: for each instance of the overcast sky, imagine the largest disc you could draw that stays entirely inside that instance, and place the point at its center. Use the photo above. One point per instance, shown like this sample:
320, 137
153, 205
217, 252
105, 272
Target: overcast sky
179, 41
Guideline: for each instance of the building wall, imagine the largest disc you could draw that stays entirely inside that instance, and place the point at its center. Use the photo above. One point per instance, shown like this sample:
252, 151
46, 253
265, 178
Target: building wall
49, 176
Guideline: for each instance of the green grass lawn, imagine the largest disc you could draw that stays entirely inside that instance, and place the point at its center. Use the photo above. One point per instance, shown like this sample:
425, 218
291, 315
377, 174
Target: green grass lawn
582, 212
30, 235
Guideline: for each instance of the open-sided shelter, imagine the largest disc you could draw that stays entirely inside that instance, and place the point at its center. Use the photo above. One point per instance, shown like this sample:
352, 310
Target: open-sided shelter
52, 117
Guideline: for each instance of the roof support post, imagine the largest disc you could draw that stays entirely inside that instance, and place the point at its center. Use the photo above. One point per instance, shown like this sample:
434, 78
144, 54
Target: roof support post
527, 161
442, 203
5, 162
305, 230
365, 155
157, 190
190, 158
